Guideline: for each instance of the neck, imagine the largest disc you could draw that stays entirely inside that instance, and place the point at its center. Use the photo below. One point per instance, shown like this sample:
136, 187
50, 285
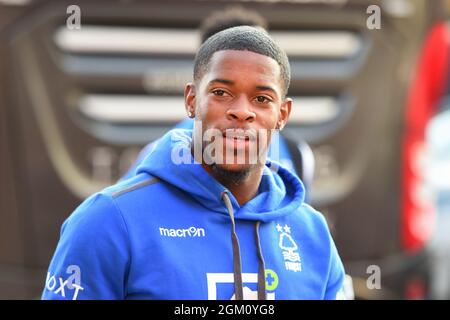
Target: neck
244, 190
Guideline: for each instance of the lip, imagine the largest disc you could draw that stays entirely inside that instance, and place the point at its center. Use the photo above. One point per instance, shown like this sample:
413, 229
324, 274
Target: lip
236, 143
238, 138
239, 134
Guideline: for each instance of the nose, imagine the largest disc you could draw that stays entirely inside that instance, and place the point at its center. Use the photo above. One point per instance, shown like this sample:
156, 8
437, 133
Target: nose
241, 111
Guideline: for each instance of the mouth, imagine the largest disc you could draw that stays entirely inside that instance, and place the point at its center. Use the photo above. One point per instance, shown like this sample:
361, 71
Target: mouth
237, 139
239, 135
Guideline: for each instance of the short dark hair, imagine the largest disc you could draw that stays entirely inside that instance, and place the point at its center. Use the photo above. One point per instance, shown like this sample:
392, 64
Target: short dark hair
230, 17
243, 38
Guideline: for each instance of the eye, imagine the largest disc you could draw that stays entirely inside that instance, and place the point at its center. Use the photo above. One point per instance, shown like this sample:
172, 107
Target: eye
263, 99
218, 92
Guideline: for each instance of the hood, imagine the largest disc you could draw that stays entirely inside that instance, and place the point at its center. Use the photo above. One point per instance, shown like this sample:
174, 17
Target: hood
280, 192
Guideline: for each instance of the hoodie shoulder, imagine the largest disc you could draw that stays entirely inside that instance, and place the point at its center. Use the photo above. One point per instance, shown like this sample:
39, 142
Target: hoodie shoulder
135, 183
138, 196
313, 213
314, 222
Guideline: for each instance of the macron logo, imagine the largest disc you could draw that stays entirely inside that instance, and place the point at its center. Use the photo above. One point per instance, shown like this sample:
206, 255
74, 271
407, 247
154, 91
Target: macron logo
191, 232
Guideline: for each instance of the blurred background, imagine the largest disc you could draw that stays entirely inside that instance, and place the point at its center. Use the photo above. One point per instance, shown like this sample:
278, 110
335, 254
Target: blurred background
371, 101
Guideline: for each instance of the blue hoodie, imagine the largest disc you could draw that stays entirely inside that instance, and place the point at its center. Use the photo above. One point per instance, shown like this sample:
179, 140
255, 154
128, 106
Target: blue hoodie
174, 232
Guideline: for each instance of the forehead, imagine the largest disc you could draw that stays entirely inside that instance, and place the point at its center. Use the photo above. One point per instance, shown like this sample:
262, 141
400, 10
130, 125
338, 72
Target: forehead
247, 64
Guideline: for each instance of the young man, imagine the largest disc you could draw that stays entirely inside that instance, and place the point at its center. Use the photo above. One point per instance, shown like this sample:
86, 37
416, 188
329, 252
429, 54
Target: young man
198, 221
284, 150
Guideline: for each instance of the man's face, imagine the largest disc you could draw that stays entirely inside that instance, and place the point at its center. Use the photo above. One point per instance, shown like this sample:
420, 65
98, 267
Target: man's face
238, 102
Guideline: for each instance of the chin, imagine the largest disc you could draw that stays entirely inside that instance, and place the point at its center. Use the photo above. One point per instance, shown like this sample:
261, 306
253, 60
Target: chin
232, 167
235, 173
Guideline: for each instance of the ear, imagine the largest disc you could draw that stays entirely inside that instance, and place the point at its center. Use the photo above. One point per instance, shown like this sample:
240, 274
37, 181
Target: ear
285, 111
189, 99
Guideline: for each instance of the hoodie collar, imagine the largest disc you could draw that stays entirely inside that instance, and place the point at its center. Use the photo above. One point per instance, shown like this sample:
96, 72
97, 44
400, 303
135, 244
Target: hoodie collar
280, 192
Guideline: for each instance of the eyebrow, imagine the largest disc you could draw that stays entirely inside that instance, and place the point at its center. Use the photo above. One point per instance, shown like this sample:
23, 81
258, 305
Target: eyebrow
266, 88
224, 81
229, 82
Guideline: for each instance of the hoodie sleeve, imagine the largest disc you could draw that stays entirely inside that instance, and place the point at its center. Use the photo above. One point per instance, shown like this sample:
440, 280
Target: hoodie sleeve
335, 284
92, 256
